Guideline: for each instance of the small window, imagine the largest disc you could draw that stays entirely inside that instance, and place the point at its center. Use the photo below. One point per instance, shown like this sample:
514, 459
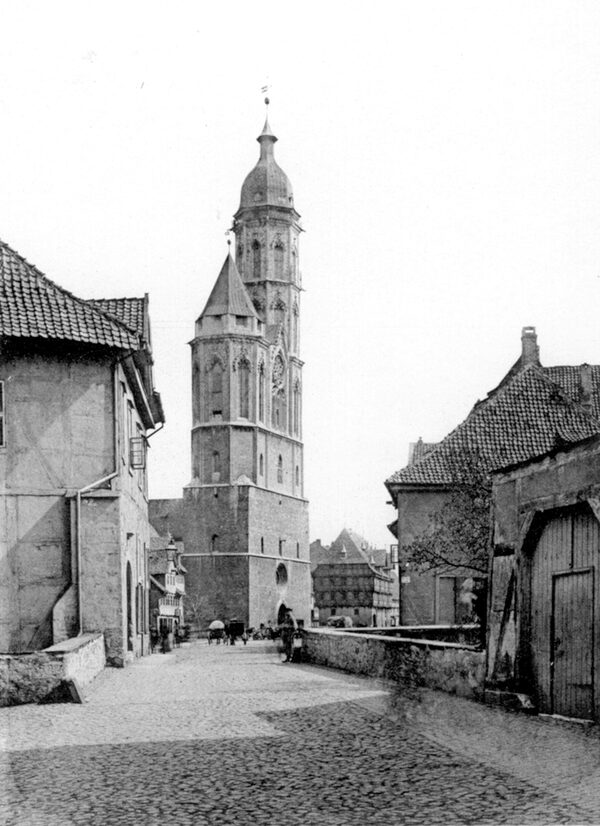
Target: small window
213, 542
241, 321
2, 434
137, 452
261, 465
281, 546
297, 475
280, 469
356, 612
297, 550
262, 544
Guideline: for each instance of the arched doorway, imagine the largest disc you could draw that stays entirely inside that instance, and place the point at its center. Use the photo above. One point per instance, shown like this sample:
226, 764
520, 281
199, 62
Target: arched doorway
562, 620
129, 579
281, 613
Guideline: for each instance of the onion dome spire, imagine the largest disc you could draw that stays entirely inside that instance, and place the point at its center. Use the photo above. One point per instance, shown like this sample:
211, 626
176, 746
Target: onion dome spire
267, 184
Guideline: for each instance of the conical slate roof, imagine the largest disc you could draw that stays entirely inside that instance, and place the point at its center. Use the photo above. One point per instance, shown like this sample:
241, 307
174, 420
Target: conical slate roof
229, 296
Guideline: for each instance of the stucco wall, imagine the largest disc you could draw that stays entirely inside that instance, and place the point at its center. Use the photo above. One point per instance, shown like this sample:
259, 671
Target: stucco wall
443, 666
415, 510
59, 436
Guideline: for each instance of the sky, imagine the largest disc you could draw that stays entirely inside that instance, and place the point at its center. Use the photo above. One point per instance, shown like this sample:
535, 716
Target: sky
444, 158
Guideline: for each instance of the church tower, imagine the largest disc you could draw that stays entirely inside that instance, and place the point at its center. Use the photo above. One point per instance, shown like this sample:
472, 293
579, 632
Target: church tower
246, 543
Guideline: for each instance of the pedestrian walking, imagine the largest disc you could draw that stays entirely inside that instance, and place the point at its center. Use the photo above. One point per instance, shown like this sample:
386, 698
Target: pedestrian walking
164, 638
288, 628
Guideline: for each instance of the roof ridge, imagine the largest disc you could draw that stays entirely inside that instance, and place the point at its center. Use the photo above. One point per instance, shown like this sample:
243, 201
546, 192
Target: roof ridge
451, 443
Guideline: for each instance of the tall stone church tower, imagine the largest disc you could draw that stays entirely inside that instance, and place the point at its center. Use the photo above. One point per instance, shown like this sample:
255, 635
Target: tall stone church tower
246, 518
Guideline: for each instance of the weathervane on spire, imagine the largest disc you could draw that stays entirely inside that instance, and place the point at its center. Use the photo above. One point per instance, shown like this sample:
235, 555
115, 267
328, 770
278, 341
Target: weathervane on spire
264, 90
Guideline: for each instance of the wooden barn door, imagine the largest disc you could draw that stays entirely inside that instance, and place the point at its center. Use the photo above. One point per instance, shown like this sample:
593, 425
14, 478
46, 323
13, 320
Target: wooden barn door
572, 644
565, 622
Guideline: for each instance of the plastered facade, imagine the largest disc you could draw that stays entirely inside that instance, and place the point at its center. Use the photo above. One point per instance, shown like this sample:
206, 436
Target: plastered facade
64, 556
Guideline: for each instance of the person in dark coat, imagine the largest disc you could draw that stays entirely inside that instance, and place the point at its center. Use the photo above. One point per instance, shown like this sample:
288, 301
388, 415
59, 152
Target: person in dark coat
288, 628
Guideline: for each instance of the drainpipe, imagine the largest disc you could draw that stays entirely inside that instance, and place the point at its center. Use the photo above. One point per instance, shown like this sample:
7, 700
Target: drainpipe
87, 489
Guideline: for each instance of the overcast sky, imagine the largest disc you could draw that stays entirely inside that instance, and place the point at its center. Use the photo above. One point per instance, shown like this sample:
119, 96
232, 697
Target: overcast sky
444, 157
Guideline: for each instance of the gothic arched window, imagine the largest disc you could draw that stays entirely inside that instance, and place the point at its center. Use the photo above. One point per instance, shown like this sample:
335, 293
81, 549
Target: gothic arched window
279, 312
296, 409
279, 409
278, 401
261, 393
244, 388
295, 328
278, 261
196, 393
280, 469
216, 389
216, 465
256, 260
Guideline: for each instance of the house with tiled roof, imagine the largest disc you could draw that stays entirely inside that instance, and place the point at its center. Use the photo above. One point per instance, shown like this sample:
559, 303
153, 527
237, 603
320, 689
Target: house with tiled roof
167, 586
77, 406
352, 579
531, 411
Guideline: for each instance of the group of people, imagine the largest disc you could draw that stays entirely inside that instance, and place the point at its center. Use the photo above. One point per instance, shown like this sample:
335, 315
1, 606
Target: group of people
286, 630
168, 637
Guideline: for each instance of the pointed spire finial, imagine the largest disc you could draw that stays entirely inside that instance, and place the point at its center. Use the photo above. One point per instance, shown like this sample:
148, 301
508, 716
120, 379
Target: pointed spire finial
267, 131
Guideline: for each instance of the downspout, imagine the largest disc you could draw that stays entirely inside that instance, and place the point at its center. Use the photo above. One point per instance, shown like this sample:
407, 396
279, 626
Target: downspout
87, 489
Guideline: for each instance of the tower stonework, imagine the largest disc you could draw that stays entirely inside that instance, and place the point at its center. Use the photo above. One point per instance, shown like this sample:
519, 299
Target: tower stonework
245, 515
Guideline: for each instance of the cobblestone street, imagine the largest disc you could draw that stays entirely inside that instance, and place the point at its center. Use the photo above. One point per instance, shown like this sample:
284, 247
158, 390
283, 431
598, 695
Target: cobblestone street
230, 735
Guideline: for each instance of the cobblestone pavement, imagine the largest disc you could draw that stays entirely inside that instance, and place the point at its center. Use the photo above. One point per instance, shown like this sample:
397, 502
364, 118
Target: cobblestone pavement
221, 735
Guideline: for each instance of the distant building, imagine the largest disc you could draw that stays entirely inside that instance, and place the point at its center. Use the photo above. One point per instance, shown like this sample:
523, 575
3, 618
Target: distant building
243, 517
544, 618
167, 584
351, 579
533, 409
76, 404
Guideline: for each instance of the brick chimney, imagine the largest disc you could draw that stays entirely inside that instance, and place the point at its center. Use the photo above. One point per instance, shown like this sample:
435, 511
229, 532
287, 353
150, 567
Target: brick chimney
585, 387
530, 353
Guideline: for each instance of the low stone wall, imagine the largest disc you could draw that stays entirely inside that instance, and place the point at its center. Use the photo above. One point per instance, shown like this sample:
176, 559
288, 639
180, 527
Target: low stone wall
452, 667
469, 634
42, 677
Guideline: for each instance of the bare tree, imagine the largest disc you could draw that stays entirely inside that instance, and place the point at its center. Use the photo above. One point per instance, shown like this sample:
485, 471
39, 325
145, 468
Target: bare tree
458, 534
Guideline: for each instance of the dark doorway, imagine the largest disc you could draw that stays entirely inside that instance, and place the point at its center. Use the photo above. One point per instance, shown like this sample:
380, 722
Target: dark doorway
129, 609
